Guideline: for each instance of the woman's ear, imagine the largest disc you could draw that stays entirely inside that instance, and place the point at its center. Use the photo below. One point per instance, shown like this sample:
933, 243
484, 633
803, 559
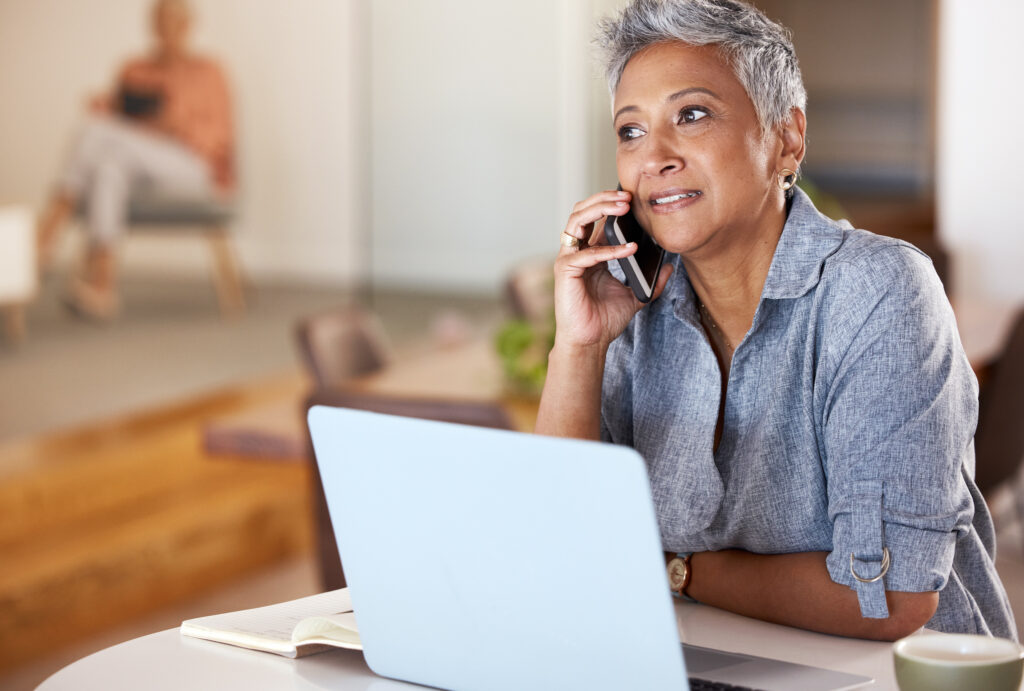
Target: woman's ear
792, 136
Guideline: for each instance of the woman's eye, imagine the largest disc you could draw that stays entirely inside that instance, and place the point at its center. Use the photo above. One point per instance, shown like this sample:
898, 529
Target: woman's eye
628, 132
692, 114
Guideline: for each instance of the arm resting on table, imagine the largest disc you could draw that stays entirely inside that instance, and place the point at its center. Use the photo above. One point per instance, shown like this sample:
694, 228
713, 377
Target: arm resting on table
796, 590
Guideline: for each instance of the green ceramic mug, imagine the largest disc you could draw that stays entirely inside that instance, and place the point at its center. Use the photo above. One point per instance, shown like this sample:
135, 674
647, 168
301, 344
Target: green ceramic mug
951, 662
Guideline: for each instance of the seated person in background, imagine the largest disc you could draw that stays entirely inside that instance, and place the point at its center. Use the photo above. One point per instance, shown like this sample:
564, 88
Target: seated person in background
797, 387
166, 129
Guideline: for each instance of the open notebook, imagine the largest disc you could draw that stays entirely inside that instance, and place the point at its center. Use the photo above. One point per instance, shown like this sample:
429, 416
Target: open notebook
293, 629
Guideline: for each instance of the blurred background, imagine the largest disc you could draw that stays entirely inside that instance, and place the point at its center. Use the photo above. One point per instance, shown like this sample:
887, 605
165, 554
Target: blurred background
404, 167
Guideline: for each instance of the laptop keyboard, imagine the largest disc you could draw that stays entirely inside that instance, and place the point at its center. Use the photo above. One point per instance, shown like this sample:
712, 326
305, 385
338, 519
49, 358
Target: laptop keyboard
706, 685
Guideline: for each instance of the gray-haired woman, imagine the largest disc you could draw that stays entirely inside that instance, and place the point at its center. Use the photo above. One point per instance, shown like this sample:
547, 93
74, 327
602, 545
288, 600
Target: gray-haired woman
797, 387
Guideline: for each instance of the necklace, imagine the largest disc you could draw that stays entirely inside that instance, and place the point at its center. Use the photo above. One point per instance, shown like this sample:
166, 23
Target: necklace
714, 327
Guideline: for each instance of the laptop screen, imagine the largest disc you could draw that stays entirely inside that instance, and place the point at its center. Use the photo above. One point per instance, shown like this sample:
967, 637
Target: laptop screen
488, 559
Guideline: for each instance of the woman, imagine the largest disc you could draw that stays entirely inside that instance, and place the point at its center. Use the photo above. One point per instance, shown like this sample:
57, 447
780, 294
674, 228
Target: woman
797, 387
167, 129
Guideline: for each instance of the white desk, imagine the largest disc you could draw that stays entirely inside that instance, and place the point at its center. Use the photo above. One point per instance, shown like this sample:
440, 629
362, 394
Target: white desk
167, 660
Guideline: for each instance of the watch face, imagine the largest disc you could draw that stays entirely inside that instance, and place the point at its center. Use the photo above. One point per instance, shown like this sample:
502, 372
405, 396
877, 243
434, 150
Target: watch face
677, 574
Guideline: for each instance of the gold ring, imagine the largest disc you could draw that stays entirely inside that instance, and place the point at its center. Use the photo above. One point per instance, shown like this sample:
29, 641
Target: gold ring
570, 240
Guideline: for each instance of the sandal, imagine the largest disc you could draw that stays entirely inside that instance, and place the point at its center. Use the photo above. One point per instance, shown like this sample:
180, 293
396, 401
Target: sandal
91, 303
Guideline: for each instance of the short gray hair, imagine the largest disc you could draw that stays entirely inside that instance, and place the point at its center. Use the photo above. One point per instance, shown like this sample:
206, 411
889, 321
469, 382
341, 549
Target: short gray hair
759, 51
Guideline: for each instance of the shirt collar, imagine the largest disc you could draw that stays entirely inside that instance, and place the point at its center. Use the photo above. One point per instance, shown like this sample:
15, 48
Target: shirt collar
808, 239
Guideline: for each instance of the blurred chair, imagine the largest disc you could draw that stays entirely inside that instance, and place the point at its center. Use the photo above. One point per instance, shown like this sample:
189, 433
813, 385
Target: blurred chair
480, 414
999, 440
205, 217
343, 343
210, 218
531, 290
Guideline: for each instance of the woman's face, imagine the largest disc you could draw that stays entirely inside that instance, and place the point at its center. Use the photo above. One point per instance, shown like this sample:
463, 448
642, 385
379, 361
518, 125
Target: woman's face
691, 150
171, 23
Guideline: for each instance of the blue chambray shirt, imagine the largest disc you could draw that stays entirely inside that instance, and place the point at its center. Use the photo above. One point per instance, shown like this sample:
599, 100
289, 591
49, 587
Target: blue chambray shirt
848, 423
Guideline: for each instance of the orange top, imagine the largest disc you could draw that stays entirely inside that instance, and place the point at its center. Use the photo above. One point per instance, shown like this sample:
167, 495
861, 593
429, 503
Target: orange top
195, 107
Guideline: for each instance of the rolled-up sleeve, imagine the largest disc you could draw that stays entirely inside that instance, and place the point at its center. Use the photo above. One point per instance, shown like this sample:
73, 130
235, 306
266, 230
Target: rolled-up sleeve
899, 409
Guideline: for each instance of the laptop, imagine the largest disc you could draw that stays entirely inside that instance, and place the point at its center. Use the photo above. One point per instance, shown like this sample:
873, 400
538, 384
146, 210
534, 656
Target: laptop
490, 560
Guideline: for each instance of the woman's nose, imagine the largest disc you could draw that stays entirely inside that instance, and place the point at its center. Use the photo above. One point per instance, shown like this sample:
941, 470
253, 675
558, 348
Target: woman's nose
662, 158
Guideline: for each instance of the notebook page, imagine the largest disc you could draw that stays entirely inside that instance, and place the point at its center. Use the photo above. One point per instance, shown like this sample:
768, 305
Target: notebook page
338, 629
267, 628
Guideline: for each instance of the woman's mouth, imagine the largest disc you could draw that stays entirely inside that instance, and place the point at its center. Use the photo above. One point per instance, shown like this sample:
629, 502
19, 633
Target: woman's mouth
672, 200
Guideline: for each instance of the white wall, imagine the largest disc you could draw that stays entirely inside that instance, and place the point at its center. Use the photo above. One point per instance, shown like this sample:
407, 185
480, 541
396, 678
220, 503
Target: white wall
298, 75
481, 128
981, 146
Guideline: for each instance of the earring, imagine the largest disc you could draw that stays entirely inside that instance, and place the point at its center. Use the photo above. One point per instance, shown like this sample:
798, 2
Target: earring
787, 178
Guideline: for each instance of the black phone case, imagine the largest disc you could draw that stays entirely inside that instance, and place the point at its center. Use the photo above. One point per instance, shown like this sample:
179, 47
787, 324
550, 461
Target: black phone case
632, 280
134, 103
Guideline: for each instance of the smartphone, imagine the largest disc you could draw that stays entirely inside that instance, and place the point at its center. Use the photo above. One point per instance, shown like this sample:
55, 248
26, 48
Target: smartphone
642, 267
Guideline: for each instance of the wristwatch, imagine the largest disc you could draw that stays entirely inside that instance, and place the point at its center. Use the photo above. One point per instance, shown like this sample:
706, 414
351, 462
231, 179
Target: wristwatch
679, 574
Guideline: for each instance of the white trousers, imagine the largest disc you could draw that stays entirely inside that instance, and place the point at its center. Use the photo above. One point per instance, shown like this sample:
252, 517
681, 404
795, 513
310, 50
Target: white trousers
110, 160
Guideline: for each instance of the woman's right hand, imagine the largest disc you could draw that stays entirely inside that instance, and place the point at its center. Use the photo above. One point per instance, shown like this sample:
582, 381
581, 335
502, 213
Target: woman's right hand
591, 306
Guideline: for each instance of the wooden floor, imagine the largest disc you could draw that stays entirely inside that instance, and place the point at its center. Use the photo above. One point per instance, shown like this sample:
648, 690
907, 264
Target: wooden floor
107, 522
